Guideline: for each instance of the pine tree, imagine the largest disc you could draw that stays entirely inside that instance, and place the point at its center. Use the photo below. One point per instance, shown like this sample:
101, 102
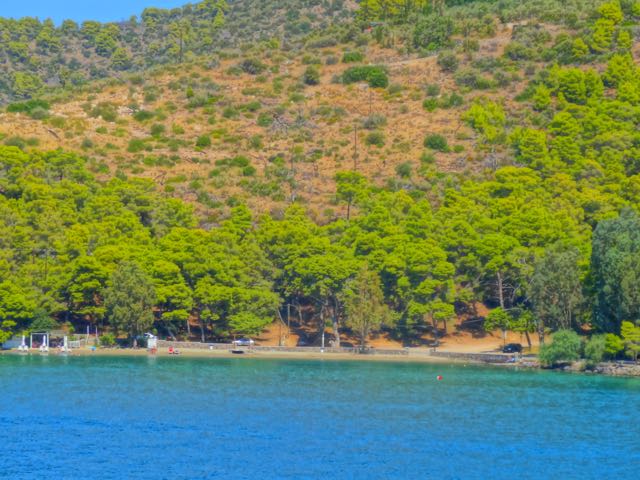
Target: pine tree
364, 305
129, 300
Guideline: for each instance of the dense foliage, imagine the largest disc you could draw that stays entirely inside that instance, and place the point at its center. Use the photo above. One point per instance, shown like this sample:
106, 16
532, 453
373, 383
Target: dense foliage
38, 54
545, 232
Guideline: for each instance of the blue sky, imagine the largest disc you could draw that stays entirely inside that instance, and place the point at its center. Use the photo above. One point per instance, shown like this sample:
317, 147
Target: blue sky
79, 10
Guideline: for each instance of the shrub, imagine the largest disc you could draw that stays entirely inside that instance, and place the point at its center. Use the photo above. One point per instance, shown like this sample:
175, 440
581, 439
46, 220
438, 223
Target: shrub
136, 145
16, 142
432, 32
433, 90
470, 45
395, 88
36, 109
265, 119
378, 79
249, 171
594, 350
253, 106
86, 144
323, 42
448, 61
436, 142
240, 161
352, 57
296, 97
472, 79
565, 347
105, 110
203, 141
404, 170
150, 97
375, 138
39, 113
199, 100
252, 66
107, 340
60, 122
230, 112
142, 116
427, 158
374, 121
375, 76
28, 106
311, 76
517, 51
430, 104
157, 129
256, 142
311, 60
451, 100
613, 345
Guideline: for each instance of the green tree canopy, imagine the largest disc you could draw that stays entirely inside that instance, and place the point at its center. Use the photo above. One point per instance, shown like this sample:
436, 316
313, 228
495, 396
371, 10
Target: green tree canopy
129, 300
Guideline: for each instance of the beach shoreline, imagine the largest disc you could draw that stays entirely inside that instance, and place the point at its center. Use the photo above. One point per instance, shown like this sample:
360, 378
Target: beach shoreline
605, 369
248, 354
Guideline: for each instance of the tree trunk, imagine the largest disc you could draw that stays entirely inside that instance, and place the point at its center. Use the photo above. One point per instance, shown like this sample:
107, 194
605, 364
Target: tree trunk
173, 337
202, 336
336, 325
336, 332
500, 292
526, 334
188, 329
434, 325
300, 321
541, 335
321, 325
364, 333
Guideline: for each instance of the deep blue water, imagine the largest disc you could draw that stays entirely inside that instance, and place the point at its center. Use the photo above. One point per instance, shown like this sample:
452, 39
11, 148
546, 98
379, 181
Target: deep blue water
175, 418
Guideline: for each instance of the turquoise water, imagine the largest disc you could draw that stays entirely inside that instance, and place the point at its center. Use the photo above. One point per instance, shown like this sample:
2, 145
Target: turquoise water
175, 418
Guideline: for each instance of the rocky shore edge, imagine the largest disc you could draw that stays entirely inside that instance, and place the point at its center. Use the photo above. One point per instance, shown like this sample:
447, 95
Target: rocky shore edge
614, 369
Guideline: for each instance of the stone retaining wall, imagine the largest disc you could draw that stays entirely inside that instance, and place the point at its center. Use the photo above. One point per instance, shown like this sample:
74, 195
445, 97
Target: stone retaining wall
476, 357
193, 345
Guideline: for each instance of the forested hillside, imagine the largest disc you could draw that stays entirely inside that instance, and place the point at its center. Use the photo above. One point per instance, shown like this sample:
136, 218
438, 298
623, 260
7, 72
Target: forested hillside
423, 160
37, 54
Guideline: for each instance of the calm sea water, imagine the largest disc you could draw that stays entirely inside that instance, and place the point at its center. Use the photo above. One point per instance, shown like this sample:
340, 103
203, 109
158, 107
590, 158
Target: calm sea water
175, 418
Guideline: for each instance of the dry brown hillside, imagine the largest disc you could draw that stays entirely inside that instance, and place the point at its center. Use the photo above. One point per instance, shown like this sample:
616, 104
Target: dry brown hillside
294, 137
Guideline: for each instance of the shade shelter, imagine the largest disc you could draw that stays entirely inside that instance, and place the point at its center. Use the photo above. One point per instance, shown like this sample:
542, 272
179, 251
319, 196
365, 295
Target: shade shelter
48, 338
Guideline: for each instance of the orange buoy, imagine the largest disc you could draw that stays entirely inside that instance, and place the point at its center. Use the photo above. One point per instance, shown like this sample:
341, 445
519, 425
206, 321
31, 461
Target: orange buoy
439, 377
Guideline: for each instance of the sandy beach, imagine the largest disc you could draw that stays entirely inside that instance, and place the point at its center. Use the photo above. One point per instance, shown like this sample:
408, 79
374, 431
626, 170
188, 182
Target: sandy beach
253, 354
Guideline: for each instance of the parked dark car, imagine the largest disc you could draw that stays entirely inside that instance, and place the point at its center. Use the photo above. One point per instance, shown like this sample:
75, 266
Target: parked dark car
512, 348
